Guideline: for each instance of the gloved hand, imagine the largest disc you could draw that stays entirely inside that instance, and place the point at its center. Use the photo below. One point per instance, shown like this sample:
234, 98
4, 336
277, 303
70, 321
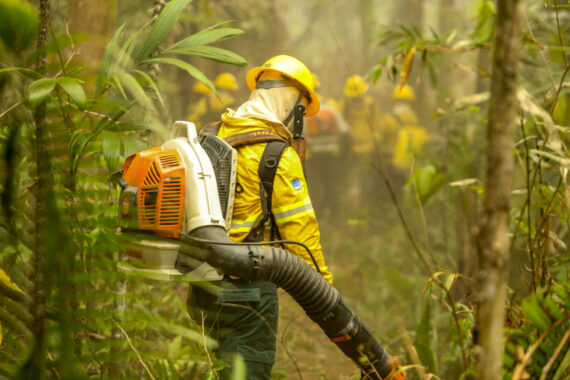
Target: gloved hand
399, 376
395, 364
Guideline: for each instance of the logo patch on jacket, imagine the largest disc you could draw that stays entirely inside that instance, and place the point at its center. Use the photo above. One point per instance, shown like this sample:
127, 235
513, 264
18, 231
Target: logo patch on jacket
297, 185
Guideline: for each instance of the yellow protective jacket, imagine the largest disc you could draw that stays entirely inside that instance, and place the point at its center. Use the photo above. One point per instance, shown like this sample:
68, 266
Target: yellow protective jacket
291, 204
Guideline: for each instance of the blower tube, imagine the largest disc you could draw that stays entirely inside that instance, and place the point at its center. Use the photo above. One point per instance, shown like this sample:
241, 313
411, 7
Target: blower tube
320, 300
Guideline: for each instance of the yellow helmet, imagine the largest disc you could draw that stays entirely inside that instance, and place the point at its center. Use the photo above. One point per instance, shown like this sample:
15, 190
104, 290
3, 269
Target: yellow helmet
292, 68
201, 88
403, 92
355, 86
226, 81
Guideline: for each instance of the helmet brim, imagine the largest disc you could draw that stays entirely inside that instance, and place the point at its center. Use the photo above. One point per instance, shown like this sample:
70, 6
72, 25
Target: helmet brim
253, 74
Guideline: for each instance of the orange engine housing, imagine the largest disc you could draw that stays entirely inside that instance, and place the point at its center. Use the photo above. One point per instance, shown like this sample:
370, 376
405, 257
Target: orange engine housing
158, 176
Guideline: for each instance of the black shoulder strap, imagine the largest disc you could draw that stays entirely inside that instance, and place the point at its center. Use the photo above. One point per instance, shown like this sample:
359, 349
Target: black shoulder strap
267, 169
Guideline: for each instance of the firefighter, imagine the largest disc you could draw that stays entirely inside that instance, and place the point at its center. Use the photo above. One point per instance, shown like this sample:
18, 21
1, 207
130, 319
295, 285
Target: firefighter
411, 136
241, 314
360, 110
328, 142
209, 106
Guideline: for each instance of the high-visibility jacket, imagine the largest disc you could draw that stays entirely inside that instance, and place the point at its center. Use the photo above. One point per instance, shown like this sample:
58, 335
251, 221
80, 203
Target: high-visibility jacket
291, 204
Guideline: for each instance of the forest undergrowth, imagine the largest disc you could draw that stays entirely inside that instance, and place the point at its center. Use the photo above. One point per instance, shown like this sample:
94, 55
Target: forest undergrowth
407, 261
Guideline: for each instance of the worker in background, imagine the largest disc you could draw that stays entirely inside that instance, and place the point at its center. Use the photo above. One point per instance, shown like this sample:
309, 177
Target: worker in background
209, 106
361, 112
406, 137
241, 314
328, 144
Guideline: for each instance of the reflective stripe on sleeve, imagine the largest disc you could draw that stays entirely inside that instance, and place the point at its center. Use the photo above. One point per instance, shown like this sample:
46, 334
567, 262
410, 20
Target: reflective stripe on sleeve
284, 214
242, 225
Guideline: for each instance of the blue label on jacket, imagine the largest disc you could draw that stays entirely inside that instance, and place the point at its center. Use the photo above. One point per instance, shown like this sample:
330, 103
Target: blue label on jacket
296, 184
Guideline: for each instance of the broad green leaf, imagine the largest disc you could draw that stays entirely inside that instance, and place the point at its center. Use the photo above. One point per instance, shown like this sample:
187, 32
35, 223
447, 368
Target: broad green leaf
424, 342
376, 73
486, 12
206, 37
212, 53
194, 72
111, 149
534, 312
561, 113
73, 88
39, 90
428, 181
563, 294
162, 26
19, 24
131, 145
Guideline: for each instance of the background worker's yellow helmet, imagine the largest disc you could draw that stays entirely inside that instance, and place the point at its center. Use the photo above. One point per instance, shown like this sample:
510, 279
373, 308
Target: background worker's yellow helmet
226, 81
292, 68
201, 88
355, 86
403, 92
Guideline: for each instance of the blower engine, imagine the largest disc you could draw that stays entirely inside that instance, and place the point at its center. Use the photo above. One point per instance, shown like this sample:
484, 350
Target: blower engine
181, 196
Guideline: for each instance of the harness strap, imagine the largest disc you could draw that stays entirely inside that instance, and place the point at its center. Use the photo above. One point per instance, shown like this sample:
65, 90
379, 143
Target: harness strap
211, 129
266, 171
245, 138
253, 137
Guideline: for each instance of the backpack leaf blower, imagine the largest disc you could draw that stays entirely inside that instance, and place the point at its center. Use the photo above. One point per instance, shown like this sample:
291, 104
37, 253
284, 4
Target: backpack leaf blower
182, 193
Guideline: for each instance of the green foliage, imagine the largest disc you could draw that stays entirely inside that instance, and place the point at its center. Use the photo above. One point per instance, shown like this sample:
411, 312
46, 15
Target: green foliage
427, 181
537, 330
124, 58
59, 315
19, 23
424, 342
485, 11
160, 29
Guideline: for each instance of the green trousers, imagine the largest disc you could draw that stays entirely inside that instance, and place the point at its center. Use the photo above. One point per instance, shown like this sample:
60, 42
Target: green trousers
242, 316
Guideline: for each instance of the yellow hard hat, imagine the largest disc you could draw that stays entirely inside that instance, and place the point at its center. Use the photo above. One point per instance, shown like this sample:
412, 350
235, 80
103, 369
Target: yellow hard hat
226, 81
403, 92
355, 86
292, 68
201, 88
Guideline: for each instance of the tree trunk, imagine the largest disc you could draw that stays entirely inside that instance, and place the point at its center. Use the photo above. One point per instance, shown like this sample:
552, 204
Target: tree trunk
493, 241
34, 367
